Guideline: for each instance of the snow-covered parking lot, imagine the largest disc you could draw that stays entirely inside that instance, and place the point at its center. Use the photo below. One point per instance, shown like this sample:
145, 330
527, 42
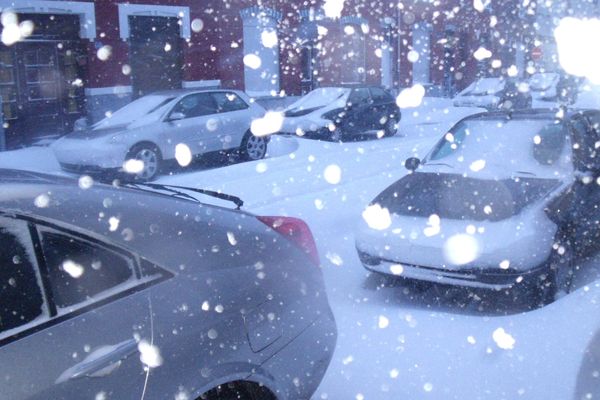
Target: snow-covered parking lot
393, 343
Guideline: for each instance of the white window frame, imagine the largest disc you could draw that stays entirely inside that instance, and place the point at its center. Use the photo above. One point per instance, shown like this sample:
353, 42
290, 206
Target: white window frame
422, 68
85, 11
150, 10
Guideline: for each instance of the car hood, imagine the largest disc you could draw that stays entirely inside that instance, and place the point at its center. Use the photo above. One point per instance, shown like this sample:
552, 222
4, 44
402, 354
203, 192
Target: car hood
96, 133
483, 99
454, 196
316, 111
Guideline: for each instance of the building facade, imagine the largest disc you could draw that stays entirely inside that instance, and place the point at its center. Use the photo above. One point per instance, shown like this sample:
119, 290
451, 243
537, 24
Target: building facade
87, 58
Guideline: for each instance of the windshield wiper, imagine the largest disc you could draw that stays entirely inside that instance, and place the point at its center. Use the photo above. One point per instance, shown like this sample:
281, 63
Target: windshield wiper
438, 163
177, 192
524, 173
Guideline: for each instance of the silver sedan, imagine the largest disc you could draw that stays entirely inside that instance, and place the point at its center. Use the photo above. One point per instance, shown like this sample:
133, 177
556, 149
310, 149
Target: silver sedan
158, 297
178, 124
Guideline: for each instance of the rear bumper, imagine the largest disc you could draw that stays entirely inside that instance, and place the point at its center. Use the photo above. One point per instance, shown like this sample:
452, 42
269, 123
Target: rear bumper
299, 367
493, 279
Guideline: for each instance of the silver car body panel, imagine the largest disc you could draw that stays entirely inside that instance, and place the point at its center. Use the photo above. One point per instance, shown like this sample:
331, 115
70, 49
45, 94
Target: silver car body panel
108, 148
196, 317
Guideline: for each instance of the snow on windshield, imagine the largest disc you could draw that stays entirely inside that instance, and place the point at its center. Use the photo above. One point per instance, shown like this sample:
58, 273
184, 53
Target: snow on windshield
133, 111
484, 86
320, 97
536, 147
543, 81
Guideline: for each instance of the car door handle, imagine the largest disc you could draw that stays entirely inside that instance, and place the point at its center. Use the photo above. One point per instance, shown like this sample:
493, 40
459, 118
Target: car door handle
101, 362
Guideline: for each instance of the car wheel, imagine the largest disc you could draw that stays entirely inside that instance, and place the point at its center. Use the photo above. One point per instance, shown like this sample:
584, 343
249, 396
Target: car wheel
151, 158
558, 275
390, 128
253, 147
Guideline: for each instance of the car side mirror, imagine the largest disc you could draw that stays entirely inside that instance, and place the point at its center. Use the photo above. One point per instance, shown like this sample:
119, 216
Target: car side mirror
412, 163
80, 124
176, 116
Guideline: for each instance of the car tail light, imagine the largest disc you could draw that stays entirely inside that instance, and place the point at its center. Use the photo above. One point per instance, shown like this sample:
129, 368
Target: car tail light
297, 232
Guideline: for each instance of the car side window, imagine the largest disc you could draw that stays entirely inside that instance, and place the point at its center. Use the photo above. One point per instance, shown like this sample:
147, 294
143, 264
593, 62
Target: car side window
379, 95
196, 105
227, 102
80, 271
21, 296
359, 96
450, 143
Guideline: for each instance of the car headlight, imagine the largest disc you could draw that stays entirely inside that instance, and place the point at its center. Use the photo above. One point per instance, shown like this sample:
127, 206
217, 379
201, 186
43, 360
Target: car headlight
334, 115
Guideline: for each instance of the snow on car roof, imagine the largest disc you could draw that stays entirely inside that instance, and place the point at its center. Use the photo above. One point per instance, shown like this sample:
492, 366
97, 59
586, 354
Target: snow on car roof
484, 86
498, 145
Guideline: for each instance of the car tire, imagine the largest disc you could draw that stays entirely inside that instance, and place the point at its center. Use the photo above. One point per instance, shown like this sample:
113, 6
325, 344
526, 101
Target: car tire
390, 128
337, 135
253, 147
151, 156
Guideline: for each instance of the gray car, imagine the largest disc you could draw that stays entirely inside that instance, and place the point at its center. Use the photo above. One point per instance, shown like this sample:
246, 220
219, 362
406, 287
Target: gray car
146, 292
172, 125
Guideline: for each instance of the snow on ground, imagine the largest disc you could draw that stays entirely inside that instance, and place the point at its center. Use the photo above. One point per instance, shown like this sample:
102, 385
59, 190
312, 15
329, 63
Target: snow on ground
394, 343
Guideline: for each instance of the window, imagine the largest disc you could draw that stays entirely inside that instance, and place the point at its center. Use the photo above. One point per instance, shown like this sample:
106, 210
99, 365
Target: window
379, 95
359, 96
227, 102
80, 270
21, 298
196, 105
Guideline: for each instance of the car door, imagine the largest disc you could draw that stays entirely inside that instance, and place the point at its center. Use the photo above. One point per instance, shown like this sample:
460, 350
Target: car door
383, 107
588, 161
233, 119
73, 316
359, 119
193, 121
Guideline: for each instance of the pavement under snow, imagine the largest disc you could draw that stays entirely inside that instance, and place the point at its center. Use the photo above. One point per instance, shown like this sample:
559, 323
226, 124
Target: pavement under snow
395, 343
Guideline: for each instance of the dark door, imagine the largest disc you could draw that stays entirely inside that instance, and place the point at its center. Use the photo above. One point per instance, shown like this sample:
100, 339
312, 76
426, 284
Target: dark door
42, 80
39, 83
155, 54
383, 108
359, 119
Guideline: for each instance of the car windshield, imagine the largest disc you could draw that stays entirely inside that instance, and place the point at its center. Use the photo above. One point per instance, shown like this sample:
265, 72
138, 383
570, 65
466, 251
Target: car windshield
320, 98
300, 199
134, 111
542, 81
536, 146
484, 86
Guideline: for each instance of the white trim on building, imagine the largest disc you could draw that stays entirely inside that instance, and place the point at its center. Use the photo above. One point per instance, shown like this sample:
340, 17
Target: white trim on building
258, 21
85, 11
421, 34
151, 10
112, 90
201, 84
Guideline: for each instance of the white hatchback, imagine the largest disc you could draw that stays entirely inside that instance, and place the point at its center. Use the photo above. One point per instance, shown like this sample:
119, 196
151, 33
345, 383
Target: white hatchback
177, 124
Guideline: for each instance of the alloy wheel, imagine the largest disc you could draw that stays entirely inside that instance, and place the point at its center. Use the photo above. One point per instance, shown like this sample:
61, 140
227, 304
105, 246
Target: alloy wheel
150, 160
256, 147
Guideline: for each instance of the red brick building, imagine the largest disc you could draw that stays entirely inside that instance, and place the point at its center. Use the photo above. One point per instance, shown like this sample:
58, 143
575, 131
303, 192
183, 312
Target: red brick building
86, 58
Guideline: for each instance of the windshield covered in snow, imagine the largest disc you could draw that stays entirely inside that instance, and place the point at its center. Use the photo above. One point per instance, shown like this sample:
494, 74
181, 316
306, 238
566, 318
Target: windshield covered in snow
536, 146
484, 86
321, 97
134, 111
543, 81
